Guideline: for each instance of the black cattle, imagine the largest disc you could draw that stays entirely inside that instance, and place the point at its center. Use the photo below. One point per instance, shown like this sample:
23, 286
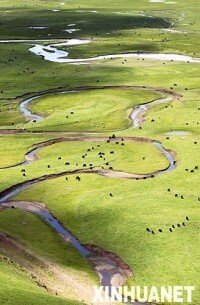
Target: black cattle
78, 178
178, 225
187, 218
148, 230
160, 230
111, 195
67, 163
170, 229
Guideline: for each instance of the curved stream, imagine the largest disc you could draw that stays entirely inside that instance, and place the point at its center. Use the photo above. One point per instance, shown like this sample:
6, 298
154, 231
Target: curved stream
138, 111
51, 53
27, 113
31, 117
31, 156
105, 267
135, 116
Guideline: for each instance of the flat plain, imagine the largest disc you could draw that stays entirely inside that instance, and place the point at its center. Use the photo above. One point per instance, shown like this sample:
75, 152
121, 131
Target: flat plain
101, 128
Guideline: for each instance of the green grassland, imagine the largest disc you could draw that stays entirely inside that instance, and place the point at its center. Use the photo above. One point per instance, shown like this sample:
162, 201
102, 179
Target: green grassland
95, 110
140, 158
120, 224
85, 207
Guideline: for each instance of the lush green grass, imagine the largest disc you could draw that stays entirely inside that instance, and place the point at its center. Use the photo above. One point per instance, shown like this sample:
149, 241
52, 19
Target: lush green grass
93, 110
165, 116
110, 72
134, 157
129, 32
120, 222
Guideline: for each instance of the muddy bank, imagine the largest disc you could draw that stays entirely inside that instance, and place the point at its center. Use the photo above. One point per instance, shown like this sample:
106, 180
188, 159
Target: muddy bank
111, 256
42, 211
110, 267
